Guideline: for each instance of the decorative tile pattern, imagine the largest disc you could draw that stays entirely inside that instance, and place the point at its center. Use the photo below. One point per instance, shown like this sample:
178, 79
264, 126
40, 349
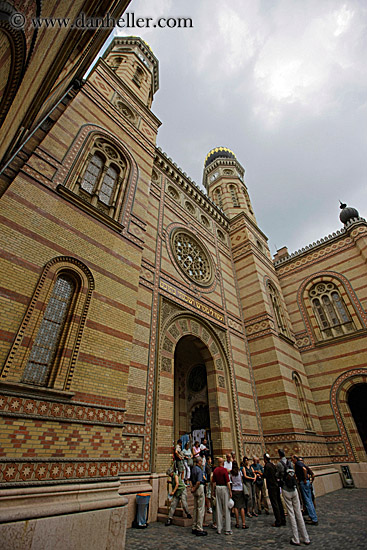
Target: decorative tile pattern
34, 471
23, 406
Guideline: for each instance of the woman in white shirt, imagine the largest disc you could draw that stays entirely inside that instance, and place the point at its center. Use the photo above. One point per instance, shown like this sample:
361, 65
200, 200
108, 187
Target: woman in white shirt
187, 461
237, 494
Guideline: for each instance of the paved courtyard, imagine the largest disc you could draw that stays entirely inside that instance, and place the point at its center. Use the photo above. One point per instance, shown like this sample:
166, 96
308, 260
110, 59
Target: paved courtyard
342, 526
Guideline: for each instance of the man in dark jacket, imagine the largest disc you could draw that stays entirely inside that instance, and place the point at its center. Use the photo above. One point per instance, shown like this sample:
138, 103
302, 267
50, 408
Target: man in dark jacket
270, 474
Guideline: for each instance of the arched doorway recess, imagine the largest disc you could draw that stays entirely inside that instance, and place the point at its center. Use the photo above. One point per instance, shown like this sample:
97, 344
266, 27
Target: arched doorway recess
339, 397
186, 342
357, 401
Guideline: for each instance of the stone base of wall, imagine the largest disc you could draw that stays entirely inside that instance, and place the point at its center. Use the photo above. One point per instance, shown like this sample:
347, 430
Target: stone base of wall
85, 516
154, 484
327, 479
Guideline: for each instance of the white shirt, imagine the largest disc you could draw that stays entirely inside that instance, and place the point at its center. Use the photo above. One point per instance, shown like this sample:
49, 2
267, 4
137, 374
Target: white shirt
228, 466
237, 482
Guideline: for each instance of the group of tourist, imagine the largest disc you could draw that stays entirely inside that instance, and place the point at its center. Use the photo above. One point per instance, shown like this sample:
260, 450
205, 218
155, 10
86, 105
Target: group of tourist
240, 489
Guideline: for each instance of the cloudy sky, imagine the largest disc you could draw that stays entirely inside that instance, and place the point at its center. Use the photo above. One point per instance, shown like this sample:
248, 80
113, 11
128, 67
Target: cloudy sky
283, 84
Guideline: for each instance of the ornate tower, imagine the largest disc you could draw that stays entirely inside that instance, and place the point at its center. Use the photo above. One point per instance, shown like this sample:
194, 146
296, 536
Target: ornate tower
134, 62
266, 319
224, 182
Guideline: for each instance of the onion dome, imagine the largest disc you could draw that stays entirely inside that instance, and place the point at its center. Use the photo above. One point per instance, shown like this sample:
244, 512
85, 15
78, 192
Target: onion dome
347, 213
219, 152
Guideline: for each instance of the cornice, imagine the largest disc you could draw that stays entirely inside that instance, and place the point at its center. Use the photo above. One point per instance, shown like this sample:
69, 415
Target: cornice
337, 235
166, 164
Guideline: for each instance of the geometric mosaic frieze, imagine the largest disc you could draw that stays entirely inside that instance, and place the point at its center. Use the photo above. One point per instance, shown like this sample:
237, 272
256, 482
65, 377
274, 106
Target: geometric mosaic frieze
38, 408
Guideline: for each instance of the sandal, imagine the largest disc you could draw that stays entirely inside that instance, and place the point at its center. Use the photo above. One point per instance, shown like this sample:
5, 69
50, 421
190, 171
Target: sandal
237, 525
245, 526
249, 515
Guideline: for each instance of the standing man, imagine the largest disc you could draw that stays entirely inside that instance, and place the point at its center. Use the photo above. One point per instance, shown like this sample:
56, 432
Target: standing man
178, 492
287, 480
197, 482
274, 491
302, 476
260, 492
228, 462
223, 492
179, 459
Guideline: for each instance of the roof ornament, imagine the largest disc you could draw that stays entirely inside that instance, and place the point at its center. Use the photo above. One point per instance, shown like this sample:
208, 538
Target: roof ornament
347, 213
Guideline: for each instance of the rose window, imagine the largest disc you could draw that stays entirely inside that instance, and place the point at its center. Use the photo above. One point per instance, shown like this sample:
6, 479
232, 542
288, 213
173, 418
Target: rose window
192, 258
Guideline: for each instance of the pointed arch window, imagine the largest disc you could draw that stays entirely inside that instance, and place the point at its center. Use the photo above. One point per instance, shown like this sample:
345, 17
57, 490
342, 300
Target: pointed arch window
234, 196
330, 310
218, 198
50, 332
138, 76
306, 415
278, 310
248, 202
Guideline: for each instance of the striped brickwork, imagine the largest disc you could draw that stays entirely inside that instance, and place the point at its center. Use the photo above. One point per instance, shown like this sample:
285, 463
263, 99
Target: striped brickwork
118, 396
78, 425
341, 260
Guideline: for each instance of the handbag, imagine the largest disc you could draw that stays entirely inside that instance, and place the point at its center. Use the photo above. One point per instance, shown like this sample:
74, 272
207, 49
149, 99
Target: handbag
190, 462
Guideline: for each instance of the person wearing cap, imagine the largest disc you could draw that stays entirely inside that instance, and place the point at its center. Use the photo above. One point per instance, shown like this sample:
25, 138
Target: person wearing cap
270, 474
178, 492
303, 478
197, 482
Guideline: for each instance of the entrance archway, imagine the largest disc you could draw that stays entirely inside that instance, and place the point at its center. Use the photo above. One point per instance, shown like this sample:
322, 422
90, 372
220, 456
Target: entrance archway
193, 406
357, 401
339, 397
187, 345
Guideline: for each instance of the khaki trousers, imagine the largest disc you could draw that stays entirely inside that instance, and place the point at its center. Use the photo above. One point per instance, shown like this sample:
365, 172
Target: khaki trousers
261, 497
174, 503
199, 508
293, 505
223, 512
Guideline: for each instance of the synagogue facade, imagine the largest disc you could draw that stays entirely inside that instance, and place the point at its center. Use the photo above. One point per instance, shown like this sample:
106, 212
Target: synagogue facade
138, 307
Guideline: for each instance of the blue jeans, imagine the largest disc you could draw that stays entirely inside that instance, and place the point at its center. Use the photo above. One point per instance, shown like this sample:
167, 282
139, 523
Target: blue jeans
307, 497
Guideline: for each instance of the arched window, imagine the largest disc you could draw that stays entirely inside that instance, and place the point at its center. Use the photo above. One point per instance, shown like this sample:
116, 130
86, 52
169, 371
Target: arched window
277, 309
218, 198
102, 177
46, 347
248, 202
52, 327
306, 415
138, 76
233, 191
330, 310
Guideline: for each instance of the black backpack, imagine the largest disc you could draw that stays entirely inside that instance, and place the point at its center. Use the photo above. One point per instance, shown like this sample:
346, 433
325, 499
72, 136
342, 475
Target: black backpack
289, 476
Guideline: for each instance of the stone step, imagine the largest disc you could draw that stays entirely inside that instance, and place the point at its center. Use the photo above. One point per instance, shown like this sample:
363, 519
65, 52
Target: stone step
179, 512
182, 522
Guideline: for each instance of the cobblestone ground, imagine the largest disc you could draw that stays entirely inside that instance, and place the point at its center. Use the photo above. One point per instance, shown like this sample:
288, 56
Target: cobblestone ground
342, 526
